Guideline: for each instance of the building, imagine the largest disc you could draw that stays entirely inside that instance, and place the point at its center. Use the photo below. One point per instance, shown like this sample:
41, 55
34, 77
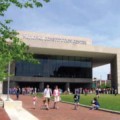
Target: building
98, 82
66, 61
109, 76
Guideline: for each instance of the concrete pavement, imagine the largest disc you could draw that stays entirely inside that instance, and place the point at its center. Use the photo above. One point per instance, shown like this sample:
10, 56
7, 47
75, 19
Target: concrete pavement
65, 111
15, 110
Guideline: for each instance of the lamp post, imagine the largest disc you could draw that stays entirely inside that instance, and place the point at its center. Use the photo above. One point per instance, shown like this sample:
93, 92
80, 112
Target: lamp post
8, 82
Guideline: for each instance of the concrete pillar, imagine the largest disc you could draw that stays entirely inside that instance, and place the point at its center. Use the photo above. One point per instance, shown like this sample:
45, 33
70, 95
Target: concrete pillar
41, 86
115, 73
67, 87
118, 73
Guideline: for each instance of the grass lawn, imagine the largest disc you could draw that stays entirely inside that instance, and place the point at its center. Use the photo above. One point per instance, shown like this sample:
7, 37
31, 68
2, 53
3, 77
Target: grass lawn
106, 101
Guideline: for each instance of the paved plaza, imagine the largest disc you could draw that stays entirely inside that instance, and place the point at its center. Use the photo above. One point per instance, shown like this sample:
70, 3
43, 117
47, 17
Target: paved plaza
65, 111
3, 114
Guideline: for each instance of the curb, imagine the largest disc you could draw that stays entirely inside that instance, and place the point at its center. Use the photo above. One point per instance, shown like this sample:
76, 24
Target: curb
100, 109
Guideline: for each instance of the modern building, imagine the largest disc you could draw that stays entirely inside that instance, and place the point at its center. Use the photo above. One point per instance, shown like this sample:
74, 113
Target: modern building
65, 61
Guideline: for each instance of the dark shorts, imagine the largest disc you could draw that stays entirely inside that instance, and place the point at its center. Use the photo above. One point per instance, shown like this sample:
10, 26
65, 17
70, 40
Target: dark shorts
76, 101
46, 100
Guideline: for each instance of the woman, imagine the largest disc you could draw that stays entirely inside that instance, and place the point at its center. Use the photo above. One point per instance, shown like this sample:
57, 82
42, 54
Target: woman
56, 94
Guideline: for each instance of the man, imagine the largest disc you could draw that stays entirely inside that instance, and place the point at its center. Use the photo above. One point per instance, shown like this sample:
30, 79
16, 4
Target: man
47, 95
17, 92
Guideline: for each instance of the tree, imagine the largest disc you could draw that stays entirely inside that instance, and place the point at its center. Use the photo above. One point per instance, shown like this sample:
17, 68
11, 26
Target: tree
107, 85
11, 47
102, 86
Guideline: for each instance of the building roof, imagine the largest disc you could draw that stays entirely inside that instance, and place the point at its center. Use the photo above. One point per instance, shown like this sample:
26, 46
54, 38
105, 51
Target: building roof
68, 46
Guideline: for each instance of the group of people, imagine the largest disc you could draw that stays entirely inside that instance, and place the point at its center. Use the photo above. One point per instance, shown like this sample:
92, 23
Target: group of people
48, 93
24, 90
56, 98
100, 90
47, 96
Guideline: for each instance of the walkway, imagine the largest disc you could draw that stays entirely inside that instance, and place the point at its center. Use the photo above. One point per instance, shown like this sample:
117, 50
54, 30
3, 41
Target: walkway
65, 111
15, 110
3, 114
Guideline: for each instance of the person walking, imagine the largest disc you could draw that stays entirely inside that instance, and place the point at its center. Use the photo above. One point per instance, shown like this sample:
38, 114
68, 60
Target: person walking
97, 93
17, 93
115, 92
56, 94
34, 101
47, 94
76, 100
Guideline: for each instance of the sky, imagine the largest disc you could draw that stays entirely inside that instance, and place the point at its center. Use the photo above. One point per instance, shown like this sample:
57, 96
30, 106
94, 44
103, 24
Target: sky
98, 20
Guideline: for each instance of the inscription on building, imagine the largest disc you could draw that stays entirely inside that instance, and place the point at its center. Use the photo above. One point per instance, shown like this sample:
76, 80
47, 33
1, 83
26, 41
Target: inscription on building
52, 39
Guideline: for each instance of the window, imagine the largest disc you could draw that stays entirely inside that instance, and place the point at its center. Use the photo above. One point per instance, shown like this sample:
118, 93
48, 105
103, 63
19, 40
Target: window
56, 66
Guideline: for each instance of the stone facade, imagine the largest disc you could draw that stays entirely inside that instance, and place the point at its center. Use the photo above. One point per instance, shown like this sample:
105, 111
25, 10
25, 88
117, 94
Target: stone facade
74, 46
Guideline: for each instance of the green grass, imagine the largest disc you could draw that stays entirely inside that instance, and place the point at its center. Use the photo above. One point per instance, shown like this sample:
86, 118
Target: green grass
110, 102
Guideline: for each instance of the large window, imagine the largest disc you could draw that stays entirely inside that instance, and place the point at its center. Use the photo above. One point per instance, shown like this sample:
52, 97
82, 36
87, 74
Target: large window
56, 66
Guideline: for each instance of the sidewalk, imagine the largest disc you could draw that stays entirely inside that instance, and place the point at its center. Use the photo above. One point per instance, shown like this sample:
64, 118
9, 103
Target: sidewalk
15, 110
3, 114
65, 111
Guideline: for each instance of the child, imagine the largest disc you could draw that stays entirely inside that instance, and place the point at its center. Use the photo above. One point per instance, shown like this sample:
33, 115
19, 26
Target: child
76, 100
34, 101
44, 106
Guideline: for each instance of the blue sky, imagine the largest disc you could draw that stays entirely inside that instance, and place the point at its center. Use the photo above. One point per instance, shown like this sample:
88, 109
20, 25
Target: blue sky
95, 19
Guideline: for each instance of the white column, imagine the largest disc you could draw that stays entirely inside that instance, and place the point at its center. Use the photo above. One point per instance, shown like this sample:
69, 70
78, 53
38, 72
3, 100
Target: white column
118, 72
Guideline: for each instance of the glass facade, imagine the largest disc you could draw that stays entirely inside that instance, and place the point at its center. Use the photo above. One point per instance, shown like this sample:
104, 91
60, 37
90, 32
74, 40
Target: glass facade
56, 66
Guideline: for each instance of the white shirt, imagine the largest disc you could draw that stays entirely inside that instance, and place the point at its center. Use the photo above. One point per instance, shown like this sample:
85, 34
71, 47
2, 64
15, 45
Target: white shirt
47, 92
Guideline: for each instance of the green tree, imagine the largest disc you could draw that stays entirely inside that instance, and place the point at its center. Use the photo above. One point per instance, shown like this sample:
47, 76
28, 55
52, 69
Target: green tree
105, 86
102, 86
108, 85
11, 47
